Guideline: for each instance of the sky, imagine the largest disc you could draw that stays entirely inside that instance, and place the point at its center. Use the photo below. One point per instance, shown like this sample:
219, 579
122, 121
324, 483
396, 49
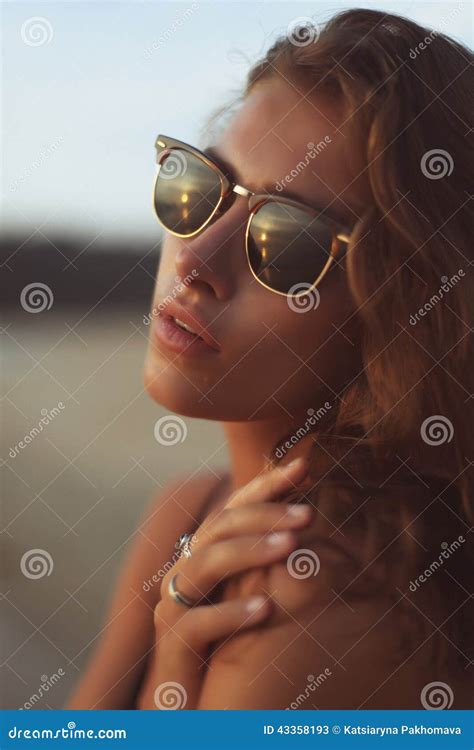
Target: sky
87, 86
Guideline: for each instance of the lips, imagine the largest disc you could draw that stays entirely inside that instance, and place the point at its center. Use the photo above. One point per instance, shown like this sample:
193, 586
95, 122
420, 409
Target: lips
190, 323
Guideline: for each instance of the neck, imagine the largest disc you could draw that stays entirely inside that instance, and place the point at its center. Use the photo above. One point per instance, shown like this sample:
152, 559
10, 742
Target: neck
251, 446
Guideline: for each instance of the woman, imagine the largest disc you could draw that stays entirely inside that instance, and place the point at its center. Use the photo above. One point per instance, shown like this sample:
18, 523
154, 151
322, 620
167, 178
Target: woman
315, 296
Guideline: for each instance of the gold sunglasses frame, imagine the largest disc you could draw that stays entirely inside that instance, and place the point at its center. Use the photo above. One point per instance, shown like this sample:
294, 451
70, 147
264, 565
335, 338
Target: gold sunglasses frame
229, 190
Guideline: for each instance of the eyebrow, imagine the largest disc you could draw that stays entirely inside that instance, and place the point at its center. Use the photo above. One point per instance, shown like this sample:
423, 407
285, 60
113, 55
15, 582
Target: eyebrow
333, 214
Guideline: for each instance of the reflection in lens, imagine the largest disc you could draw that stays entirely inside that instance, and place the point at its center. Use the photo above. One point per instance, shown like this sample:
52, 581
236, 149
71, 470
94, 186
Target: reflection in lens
187, 191
287, 246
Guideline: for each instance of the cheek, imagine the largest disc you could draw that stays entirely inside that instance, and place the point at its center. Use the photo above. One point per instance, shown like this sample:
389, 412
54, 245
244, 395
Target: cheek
293, 356
313, 350
321, 320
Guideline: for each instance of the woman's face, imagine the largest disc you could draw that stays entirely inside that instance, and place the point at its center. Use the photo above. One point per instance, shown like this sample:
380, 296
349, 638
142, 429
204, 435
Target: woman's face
273, 360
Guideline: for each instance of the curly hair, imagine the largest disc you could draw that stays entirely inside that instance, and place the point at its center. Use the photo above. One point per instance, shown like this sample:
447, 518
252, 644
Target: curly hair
403, 431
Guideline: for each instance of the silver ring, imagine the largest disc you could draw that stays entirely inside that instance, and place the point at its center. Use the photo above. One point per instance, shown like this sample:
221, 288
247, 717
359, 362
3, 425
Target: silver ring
177, 595
183, 545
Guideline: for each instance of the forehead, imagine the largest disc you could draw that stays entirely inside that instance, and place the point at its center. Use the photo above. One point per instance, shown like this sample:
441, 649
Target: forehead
281, 141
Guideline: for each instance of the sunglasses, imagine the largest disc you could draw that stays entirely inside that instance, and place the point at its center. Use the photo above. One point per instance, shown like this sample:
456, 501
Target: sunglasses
290, 247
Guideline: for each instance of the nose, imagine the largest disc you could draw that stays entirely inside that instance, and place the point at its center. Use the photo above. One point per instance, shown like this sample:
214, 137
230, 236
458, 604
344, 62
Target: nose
215, 258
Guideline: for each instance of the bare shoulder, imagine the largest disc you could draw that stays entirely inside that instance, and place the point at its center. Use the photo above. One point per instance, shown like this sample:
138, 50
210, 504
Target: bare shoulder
118, 659
174, 510
326, 646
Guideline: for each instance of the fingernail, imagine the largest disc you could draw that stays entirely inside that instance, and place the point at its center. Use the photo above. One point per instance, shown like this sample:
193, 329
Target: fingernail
255, 603
277, 538
299, 511
296, 462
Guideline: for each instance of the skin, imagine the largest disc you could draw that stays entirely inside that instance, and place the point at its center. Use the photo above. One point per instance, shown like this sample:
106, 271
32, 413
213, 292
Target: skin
222, 653
254, 326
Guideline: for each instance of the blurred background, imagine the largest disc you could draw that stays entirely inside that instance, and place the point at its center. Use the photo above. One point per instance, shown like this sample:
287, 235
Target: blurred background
86, 87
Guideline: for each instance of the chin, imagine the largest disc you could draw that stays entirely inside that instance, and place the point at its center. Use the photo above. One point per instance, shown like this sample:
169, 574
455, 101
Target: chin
169, 388
163, 387
238, 397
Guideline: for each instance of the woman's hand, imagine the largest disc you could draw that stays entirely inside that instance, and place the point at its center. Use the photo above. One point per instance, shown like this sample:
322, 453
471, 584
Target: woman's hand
250, 532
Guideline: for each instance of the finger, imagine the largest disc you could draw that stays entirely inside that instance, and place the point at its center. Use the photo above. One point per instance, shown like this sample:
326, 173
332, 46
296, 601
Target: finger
202, 625
214, 563
181, 654
271, 484
261, 518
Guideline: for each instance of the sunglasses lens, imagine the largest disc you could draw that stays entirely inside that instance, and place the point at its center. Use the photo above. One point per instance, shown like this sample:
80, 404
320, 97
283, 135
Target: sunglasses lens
287, 247
187, 191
